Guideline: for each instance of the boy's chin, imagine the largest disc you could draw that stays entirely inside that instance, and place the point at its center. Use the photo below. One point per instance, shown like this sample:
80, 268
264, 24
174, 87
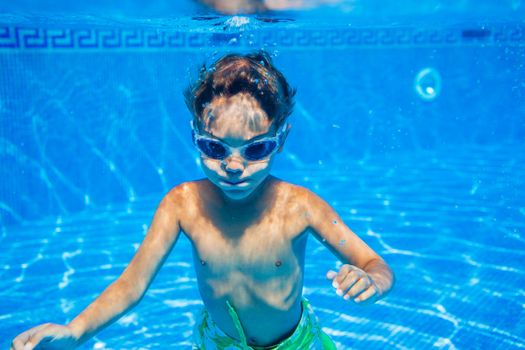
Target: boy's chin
236, 195
240, 193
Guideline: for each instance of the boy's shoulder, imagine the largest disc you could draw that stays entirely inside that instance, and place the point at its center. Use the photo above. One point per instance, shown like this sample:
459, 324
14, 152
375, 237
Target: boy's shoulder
307, 202
293, 196
293, 192
183, 193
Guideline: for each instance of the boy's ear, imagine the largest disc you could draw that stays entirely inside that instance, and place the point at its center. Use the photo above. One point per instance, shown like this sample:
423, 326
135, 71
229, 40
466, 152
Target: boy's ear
284, 137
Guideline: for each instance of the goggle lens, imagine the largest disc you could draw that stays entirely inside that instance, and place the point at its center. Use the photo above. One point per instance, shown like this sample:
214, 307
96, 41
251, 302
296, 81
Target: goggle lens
212, 149
259, 150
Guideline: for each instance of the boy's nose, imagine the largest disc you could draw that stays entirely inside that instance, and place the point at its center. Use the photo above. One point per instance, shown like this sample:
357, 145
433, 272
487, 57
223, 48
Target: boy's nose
233, 164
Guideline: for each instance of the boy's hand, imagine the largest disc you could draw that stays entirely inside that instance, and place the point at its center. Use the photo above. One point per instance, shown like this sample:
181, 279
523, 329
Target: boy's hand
46, 336
352, 282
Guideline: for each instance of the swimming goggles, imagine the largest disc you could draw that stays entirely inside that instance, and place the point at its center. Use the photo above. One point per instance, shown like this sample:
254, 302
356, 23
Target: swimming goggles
257, 150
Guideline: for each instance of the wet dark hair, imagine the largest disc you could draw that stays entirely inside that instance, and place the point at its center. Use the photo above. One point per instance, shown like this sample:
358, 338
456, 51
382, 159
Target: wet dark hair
253, 74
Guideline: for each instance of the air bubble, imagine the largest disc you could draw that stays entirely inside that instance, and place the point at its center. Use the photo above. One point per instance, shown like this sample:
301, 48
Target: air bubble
428, 84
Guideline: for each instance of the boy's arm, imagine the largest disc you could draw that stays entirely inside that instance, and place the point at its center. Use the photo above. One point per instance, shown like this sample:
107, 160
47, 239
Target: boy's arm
364, 275
122, 294
130, 287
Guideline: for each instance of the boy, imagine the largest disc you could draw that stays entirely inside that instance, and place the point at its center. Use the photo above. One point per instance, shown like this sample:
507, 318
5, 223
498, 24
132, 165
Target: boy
248, 229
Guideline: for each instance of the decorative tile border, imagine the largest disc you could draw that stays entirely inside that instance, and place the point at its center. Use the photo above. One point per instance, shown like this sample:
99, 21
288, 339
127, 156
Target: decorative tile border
17, 37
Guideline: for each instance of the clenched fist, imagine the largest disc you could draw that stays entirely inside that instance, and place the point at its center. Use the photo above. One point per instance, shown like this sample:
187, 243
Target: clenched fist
353, 282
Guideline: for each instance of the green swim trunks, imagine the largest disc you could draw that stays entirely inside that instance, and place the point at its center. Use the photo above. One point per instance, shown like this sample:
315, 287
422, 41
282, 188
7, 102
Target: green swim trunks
307, 336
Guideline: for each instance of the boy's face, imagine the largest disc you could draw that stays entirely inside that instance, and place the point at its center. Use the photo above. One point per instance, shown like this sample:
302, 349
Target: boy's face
236, 121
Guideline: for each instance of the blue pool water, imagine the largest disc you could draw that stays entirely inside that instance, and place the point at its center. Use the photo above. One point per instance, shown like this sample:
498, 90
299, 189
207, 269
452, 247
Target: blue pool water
412, 129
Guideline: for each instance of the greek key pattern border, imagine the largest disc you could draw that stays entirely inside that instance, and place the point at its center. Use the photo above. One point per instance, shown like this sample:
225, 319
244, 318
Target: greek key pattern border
25, 37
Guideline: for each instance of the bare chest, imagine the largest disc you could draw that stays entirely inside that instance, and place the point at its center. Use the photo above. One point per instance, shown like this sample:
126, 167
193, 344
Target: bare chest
260, 250
249, 264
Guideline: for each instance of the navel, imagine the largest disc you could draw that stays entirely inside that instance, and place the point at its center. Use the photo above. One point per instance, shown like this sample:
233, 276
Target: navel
203, 262
278, 263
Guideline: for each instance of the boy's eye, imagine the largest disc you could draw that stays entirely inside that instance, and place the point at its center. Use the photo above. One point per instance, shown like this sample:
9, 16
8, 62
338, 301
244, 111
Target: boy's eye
259, 150
212, 149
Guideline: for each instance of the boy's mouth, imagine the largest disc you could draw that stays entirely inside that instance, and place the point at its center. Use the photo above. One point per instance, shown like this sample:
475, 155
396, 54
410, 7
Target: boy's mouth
233, 182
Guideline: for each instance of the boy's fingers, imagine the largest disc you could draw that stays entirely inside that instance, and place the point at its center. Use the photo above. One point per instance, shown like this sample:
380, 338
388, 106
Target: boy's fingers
339, 277
39, 333
343, 271
21, 339
366, 295
336, 277
331, 274
37, 338
351, 278
17, 344
357, 288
